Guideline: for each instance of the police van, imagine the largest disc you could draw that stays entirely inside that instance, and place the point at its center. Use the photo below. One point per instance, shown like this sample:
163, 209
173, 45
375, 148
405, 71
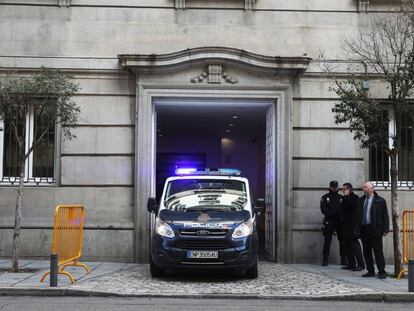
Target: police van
205, 219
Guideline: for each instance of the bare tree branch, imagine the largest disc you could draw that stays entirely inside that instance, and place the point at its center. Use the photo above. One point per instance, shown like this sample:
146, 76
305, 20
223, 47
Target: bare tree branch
387, 48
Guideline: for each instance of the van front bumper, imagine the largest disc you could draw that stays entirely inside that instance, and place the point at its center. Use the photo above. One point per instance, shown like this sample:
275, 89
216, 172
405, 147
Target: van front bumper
165, 256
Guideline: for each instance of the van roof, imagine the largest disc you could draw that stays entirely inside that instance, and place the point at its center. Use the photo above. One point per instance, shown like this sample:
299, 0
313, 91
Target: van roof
243, 179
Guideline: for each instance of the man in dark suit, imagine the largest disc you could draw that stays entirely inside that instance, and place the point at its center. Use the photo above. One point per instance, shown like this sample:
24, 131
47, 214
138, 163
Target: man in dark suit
372, 223
353, 251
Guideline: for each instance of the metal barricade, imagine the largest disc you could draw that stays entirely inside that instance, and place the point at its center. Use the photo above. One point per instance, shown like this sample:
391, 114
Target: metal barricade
67, 238
408, 238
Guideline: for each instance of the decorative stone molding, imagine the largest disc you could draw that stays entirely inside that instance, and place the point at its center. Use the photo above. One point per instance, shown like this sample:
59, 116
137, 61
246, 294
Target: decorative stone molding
214, 74
248, 4
222, 56
64, 3
180, 4
363, 5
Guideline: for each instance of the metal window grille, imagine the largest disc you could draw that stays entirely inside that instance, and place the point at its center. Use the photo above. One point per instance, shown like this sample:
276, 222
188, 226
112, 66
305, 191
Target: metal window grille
379, 162
379, 165
406, 154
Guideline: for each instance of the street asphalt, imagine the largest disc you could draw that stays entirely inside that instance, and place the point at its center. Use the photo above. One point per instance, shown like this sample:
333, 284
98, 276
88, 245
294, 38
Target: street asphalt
173, 304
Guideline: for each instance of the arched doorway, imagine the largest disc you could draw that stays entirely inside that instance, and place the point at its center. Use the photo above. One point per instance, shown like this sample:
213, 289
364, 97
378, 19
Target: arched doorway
218, 74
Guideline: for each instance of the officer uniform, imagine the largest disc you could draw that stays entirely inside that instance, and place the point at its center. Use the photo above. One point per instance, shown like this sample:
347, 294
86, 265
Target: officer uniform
331, 209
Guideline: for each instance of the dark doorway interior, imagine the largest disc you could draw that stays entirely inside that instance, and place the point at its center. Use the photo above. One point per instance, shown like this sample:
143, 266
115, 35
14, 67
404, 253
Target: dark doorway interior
168, 162
213, 134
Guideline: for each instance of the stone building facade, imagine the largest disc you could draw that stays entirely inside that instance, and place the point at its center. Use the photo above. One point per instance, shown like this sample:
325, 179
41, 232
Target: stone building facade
130, 56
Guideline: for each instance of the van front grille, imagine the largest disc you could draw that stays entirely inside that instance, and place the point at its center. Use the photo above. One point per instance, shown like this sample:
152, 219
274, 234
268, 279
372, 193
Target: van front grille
213, 232
202, 244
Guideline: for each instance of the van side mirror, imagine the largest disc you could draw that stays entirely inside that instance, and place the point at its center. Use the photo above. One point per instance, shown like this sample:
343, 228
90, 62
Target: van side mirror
260, 206
152, 205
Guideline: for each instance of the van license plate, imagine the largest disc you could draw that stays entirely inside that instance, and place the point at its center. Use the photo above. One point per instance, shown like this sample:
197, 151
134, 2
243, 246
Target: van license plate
202, 254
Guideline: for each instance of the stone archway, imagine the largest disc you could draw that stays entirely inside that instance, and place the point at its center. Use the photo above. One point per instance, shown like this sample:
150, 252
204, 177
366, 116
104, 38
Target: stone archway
218, 72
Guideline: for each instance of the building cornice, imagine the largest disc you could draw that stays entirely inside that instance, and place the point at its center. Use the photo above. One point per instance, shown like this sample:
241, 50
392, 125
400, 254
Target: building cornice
205, 56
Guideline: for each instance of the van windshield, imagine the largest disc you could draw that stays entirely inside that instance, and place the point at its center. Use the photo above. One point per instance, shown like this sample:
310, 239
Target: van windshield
181, 185
192, 194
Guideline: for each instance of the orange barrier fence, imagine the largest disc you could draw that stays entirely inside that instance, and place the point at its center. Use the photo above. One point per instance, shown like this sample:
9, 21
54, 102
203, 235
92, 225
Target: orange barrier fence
67, 238
408, 238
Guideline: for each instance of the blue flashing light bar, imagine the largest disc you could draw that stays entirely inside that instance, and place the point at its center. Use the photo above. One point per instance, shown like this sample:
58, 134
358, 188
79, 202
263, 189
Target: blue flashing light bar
185, 171
208, 171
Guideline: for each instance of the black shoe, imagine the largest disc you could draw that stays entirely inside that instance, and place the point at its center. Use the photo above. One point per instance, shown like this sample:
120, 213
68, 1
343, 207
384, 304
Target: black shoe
325, 262
368, 274
382, 276
347, 268
358, 269
343, 263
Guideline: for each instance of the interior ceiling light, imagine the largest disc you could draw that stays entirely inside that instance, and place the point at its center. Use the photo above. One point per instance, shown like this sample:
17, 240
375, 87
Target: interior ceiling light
231, 124
228, 131
235, 117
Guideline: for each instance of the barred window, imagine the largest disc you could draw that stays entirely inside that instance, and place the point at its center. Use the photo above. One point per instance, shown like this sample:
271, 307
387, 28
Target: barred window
406, 155
379, 162
40, 164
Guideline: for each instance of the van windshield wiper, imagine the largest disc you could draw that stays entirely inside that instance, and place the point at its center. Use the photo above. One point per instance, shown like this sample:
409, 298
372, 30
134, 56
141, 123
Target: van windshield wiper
210, 209
210, 190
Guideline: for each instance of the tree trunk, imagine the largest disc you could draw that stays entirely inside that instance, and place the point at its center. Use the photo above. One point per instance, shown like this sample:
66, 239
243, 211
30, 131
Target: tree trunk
395, 215
17, 218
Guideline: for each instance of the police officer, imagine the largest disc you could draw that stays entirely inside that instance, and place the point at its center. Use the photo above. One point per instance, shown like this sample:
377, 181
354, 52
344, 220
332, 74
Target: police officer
331, 209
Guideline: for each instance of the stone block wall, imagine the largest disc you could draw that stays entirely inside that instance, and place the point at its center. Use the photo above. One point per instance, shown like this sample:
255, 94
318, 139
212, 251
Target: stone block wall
97, 169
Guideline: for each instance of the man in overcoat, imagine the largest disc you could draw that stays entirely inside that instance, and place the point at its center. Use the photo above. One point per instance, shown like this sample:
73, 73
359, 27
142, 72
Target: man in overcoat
372, 224
353, 251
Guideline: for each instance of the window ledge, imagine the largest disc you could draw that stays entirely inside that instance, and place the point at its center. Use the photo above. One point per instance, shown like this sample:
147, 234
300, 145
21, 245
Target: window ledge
248, 4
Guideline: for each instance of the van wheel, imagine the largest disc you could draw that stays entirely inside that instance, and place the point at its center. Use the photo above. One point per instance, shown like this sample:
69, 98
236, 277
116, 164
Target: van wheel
252, 272
155, 270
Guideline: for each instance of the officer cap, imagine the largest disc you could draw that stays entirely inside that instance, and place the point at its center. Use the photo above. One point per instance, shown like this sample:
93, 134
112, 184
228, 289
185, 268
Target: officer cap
333, 184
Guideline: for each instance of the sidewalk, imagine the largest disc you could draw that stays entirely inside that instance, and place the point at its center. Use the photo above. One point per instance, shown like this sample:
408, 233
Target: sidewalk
391, 284
275, 281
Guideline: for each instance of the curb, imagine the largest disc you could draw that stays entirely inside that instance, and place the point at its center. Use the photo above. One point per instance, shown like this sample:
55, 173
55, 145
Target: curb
68, 292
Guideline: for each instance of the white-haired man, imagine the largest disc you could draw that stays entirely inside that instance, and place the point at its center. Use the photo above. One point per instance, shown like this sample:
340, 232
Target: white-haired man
372, 223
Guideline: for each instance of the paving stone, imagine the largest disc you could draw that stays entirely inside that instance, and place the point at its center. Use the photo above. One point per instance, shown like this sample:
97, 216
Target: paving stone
273, 280
39, 264
335, 272
24, 263
15, 276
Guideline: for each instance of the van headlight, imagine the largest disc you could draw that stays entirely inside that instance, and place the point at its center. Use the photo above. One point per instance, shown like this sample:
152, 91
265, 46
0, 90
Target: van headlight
243, 230
164, 229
